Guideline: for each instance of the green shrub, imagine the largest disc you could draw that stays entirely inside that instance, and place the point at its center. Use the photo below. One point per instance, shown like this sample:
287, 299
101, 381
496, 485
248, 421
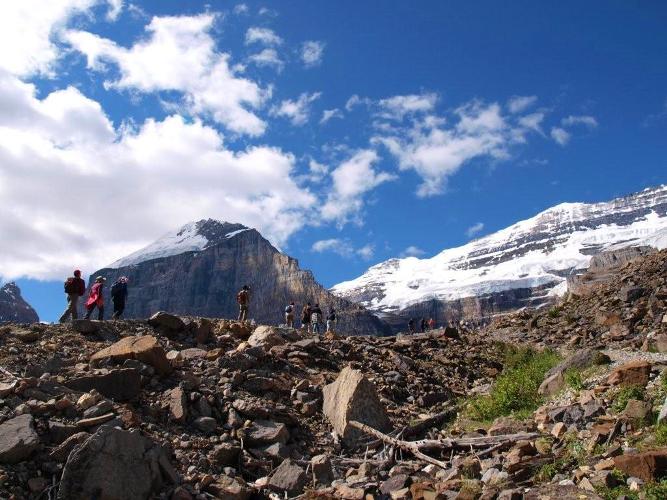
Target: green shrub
574, 379
555, 311
661, 434
625, 394
515, 389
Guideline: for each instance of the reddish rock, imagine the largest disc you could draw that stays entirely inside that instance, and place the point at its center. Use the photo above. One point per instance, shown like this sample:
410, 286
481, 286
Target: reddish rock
145, 349
633, 373
649, 466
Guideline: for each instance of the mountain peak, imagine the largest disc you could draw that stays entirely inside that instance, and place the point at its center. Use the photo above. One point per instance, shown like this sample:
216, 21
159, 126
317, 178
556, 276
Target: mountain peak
13, 307
194, 236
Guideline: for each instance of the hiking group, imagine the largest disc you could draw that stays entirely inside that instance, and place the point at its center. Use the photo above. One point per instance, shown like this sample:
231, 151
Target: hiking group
75, 288
312, 318
424, 325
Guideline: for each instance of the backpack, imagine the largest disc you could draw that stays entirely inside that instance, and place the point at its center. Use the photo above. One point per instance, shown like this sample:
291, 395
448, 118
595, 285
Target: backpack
288, 309
71, 285
242, 297
315, 317
116, 289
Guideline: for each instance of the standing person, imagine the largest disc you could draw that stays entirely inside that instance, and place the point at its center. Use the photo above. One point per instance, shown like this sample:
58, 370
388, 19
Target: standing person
331, 320
118, 296
96, 299
423, 325
289, 315
431, 324
305, 317
75, 287
316, 318
243, 298
411, 326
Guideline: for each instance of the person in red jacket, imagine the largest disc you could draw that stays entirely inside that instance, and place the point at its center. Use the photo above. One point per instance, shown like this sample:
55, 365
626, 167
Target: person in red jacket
75, 287
96, 298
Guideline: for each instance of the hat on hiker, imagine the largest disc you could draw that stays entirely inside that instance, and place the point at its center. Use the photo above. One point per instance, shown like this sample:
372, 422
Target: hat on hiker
100, 279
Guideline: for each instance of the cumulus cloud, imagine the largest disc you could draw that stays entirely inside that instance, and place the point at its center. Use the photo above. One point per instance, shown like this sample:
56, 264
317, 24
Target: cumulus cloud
267, 57
312, 52
297, 112
115, 8
78, 191
397, 107
264, 36
560, 135
179, 54
412, 251
329, 114
436, 147
344, 248
517, 103
475, 229
240, 8
586, 120
352, 179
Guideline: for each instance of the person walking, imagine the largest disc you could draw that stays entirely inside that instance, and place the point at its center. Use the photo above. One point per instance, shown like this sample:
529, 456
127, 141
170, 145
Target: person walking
118, 296
331, 320
96, 299
289, 315
243, 299
411, 326
305, 317
431, 324
75, 287
316, 318
423, 325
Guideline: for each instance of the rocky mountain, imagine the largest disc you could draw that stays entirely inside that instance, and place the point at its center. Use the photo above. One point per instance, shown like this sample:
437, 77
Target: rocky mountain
198, 269
526, 264
13, 308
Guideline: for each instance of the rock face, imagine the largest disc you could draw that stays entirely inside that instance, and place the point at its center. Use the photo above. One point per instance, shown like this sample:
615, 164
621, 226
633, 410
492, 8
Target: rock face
512, 268
199, 269
115, 464
353, 397
13, 308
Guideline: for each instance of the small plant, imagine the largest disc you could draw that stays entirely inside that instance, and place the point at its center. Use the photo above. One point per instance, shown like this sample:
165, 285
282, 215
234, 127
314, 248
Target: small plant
555, 311
548, 471
625, 394
661, 434
574, 379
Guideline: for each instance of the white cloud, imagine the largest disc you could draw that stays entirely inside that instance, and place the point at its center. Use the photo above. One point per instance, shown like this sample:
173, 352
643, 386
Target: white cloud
267, 57
560, 135
352, 179
312, 52
517, 103
179, 54
412, 251
436, 148
475, 229
328, 114
344, 248
397, 107
264, 36
78, 192
240, 8
588, 121
115, 8
297, 111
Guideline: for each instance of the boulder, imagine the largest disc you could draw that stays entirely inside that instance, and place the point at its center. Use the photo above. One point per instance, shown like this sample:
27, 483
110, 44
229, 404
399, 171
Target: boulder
226, 455
265, 432
18, 439
630, 293
266, 337
145, 349
206, 425
649, 466
288, 477
230, 488
178, 409
122, 385
85, 326
637, 411
353, 397
580, 360
167, 323
115, 464
633, 373
552, 384
322, 470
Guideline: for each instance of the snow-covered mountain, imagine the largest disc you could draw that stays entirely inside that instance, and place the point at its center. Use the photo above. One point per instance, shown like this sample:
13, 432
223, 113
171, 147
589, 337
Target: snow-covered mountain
520, 265
13, 307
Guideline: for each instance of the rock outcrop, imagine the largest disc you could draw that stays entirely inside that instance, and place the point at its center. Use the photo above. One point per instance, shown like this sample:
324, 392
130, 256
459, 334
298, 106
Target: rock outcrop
198, 271
13, 308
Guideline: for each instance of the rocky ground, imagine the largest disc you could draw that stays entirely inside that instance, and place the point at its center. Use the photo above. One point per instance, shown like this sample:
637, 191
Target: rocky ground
190, 408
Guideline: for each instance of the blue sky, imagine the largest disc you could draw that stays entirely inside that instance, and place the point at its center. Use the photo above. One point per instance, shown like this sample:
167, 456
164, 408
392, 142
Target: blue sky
347, 132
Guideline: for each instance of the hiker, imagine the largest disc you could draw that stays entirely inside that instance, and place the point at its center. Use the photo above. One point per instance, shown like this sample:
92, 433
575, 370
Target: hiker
118, 296
431, 324
289, 315
331, 320
423, 326
243, 298
75, 287
411, 326
96, 298
316, 318
305, 317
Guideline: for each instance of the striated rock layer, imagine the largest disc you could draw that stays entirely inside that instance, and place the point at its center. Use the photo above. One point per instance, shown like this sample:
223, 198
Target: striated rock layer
198, 271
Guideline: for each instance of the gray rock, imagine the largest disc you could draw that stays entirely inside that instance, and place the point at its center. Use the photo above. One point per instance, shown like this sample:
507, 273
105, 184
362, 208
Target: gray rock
662, 416
167, 322
18, 439
120, 385
265, 432
115, 464
85, 326
206, 424
226, 454
288, 477
322, 470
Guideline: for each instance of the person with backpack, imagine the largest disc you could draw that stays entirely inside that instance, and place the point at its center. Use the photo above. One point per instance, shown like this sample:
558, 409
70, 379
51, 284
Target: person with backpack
75, 287
243, 299
289, 315
118, 296
305, 317
96, 299
411, 326
331, 320
431, 324
316, 318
